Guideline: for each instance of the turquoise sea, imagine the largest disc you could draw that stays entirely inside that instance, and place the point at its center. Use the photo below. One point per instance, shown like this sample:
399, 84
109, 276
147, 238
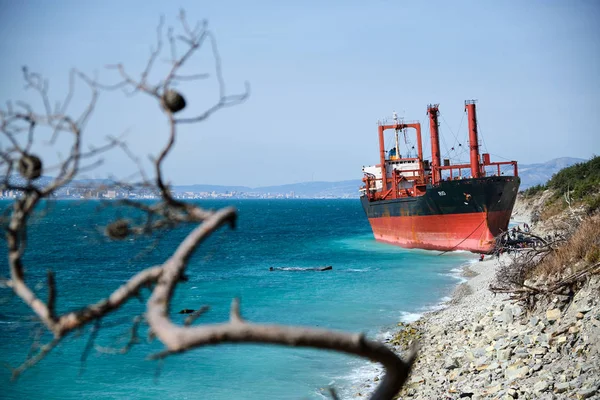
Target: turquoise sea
371, 288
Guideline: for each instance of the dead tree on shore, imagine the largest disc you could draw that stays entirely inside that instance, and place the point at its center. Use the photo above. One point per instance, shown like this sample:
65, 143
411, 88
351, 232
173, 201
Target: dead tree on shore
551, 265
19, 123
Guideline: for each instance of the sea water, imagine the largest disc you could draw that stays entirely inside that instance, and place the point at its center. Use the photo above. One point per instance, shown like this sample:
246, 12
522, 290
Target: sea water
371, 287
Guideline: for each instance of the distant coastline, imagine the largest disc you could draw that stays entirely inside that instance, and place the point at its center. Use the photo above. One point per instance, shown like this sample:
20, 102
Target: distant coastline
531, 175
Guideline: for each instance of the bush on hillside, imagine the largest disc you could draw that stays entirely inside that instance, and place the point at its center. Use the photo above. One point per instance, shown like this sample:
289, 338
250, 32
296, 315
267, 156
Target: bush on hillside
533, 190
581, 179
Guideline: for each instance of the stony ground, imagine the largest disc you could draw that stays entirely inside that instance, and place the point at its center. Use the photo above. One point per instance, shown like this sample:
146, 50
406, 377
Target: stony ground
485, 347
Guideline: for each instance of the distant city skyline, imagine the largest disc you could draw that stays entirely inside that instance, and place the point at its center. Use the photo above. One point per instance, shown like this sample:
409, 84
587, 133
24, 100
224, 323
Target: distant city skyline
321, 75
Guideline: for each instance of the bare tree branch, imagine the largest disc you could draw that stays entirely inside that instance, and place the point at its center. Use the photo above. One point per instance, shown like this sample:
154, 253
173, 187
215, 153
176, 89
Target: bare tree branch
30, 362
195, 315
20, 123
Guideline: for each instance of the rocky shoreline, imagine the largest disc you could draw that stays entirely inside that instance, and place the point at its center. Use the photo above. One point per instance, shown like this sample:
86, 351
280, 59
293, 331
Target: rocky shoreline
483, 346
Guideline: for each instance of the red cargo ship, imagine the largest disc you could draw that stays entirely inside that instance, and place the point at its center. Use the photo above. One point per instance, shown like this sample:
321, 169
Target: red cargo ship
413, 203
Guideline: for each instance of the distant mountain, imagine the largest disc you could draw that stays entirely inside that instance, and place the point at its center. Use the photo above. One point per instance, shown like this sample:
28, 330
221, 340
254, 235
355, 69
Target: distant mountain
531, 175
345, 189
536, 174
317, 189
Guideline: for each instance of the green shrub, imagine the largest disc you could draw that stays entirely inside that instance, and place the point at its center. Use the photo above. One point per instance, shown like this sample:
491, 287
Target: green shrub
581, 179
592, 203
534, 190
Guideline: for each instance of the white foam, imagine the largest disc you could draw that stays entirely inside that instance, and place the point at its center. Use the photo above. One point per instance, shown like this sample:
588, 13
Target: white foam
408, 317
361, 380
457, 272
437, 307
384, 336
460, 251
457, 276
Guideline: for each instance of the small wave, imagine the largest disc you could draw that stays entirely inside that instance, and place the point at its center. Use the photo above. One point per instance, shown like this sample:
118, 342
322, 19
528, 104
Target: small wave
457, 276
408, 317
437, 307
384, 336
456, 273
361, 380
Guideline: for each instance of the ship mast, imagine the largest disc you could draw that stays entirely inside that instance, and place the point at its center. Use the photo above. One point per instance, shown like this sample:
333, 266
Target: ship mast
473, 139
395, 117
433, 112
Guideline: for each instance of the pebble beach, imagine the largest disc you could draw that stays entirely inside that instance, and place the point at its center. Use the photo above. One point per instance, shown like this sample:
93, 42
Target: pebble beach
483, 346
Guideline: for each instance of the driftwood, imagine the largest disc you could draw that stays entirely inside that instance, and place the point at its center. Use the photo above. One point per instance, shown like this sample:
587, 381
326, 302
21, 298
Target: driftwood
511, 277
300, 269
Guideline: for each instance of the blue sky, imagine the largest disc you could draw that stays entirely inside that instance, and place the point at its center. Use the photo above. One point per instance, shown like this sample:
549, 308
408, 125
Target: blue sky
322, 74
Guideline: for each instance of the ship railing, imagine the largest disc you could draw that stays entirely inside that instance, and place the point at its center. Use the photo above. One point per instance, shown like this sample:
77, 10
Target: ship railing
467, 167
393, 191
399, 122
407, 171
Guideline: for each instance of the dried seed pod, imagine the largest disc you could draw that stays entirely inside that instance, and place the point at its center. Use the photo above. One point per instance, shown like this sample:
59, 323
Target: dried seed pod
30, 166
173, 101
118, 230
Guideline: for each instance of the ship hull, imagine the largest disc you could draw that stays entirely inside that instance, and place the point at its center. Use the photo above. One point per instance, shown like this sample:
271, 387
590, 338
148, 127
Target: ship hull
463, 214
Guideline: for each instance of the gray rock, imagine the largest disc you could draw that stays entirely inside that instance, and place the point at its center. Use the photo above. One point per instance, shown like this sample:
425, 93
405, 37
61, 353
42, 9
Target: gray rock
503, 354
516, 372
561, 387
492, 390
553, 314
544, 339
540, 386
584, 307
586, 393
451, 363
587, 367
507, 315
539, 352
517, 311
